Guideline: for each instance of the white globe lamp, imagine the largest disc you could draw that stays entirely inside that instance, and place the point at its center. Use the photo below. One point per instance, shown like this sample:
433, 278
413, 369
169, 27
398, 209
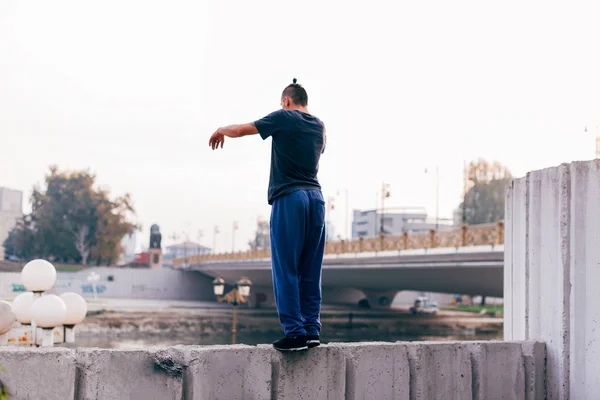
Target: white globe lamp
49, 311
38, 276
22, 307
76, 311
219, 286
7, 318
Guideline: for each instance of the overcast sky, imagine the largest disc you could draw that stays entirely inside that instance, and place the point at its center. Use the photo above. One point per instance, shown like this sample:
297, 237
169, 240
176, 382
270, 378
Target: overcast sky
133, 89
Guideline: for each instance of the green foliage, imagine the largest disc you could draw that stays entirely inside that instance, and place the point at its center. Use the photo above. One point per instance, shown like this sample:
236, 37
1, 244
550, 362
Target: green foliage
486, 185
3, 389
71, 221
474, 308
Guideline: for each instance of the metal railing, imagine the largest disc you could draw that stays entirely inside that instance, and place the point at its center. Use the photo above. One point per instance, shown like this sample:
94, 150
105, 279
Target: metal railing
465, 235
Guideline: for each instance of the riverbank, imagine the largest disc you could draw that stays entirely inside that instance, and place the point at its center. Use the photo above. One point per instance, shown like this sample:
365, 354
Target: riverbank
139, 323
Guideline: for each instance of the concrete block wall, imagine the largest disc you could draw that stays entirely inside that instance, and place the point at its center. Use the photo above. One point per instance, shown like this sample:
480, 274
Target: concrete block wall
126, 283
552, 273
382, 371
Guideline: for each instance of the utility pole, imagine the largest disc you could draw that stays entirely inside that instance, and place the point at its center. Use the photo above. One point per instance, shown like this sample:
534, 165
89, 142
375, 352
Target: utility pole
215, 233
347, 225
385, 193
235, 228
330, 208
200, 236
175, 238
437, 196
186, 241
464, 207
597, 141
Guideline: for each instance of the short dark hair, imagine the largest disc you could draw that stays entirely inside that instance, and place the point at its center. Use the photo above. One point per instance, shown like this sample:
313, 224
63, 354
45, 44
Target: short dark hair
296, 92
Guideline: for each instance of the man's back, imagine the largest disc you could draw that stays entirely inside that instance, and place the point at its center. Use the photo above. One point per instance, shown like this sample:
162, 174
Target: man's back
298, 142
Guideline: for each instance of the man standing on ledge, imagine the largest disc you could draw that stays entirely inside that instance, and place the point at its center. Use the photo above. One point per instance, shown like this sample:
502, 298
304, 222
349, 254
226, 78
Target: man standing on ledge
297, 214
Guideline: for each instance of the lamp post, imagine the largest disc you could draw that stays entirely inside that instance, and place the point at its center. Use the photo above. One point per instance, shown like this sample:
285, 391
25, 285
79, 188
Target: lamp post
76, 311
93, 278
238, 295
42, 317
48, 312
7, 318
38, 276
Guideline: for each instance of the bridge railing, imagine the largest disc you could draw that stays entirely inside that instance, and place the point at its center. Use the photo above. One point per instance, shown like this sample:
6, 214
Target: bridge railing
465, 235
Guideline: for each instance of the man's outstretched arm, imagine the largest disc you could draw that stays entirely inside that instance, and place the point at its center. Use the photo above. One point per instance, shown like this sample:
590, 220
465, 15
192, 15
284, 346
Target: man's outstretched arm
233, 131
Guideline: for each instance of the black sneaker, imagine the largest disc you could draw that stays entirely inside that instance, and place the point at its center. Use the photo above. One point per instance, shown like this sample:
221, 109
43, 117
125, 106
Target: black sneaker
291, 343
312, 341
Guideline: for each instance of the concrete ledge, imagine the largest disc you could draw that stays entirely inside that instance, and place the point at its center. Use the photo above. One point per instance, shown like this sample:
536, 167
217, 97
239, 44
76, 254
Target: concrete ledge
377, 371
395, 371
438, 368
38, 374
225, 372
127, 374
498, 370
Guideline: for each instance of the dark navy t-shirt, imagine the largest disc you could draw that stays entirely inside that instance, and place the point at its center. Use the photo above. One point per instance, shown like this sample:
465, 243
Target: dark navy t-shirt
298, 142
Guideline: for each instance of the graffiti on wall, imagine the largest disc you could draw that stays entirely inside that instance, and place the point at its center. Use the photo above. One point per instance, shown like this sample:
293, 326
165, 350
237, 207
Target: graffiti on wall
18, 287
89, 288
146, 289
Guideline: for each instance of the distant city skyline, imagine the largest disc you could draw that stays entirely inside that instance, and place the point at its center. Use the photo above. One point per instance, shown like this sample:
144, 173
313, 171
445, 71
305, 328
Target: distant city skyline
133, 89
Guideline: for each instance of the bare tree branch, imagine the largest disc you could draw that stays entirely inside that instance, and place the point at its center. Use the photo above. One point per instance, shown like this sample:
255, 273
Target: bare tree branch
82, 243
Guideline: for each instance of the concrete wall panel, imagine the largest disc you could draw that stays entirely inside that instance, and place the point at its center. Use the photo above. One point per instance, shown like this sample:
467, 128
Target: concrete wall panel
400, 371
439, 369
498, 370
47, 374
316, 374
225, 372
584, 346
127, 283
126, 374
534, 357
377, 371
559, 272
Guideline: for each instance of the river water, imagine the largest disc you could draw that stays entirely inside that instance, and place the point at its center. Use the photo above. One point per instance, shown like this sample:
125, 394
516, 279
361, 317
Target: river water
148, 324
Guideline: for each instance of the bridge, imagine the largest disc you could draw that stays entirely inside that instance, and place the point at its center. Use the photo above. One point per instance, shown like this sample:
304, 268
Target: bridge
467, 260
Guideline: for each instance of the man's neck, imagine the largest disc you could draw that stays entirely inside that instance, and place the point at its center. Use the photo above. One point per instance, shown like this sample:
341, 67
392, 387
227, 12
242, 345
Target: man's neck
299, 108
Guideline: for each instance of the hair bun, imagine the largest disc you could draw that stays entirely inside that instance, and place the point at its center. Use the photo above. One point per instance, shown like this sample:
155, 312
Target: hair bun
294, 80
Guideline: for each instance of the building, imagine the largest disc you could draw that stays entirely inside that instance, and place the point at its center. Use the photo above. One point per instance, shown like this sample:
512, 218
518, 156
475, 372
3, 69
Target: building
11, 210
367, 223
128, 246
183, 250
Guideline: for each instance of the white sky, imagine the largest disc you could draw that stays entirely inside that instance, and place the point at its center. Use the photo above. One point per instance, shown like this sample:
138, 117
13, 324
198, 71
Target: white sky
133, 89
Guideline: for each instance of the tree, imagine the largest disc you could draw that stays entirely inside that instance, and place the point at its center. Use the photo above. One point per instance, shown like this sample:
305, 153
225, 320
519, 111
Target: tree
9, 244
73, 221
485, 185
262, 238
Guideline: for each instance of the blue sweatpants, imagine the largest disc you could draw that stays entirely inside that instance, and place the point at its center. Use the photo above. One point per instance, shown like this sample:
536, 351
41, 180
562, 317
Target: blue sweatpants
297, 246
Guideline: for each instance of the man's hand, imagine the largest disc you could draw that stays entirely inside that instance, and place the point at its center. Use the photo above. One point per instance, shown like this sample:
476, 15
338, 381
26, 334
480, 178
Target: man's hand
216, 139
233, 131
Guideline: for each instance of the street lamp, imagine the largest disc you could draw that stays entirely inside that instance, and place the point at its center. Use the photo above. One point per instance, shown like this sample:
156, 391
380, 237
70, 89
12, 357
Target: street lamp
38, 276
7, 318
48, 312
21, 306
39, 314
76, 311
219, 286
238, 295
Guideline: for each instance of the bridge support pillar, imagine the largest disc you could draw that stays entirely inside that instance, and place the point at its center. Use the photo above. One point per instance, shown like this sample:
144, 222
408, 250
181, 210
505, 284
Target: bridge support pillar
552, 273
